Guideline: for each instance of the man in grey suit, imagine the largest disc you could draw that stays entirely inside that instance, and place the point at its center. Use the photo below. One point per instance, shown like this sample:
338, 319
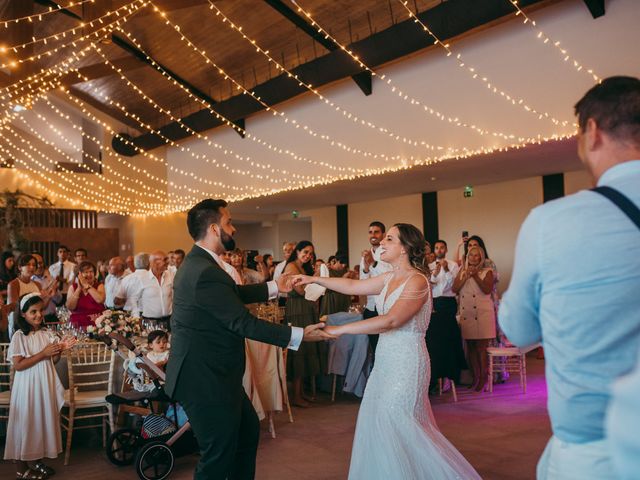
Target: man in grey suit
207, 361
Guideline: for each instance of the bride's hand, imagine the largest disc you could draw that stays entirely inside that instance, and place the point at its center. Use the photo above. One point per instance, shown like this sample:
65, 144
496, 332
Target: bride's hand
334, 331
299, 280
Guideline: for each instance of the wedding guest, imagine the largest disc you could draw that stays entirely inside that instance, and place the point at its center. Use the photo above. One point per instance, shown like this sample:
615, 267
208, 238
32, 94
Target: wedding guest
47, 283
33, 428
587, 316
178, 257
130, 264
265, 266
103, 270
300, 312
371, 266
225, 263
153, 301
172, 261
21, 285
477, 315
248, 276
113, 282
131, 284
444, 341
333, 302
62, 271
7, 271
86, 296
287, 248
158, 345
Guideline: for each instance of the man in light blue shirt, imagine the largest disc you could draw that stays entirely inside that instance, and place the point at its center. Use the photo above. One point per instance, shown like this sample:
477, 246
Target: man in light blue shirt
575, 285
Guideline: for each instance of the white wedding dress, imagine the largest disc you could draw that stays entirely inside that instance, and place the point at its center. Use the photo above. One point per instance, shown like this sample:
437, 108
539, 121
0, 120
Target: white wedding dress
396, 434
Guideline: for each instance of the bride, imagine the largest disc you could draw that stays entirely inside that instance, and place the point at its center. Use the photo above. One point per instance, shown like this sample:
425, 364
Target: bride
396, 435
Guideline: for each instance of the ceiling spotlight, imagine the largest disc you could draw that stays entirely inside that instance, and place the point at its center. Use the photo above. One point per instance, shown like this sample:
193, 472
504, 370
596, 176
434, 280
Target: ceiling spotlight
19, 108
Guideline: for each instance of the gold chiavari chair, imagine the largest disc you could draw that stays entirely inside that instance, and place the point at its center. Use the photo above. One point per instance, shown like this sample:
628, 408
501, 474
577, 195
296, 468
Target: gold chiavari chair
91, 373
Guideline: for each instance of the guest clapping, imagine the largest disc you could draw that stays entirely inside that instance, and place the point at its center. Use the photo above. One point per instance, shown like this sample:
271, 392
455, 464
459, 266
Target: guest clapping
86, 296
21, 285
474, 283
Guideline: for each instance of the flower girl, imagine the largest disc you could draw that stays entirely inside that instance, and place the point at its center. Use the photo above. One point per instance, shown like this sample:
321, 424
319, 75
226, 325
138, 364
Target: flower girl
33, 430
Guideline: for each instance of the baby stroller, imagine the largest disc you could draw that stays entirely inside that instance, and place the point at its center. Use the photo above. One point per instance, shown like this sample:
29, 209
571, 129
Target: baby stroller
154, 446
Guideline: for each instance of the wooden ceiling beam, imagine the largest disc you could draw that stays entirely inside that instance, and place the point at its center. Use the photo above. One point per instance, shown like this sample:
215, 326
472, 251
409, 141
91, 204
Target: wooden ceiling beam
596, 7
362, 79
142, 57
107, 110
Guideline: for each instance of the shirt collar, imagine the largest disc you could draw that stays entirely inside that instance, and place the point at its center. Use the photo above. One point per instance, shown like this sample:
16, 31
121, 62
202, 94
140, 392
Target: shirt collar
215, 256
619, 171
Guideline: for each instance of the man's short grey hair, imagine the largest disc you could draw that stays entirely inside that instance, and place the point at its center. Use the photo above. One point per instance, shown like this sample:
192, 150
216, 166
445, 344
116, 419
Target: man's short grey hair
141, 261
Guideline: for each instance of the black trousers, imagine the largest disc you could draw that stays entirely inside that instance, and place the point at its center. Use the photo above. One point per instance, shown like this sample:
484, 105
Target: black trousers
373, 339
444, 341
227, 436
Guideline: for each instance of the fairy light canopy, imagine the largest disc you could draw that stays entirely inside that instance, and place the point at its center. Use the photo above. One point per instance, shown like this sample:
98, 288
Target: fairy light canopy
289, 110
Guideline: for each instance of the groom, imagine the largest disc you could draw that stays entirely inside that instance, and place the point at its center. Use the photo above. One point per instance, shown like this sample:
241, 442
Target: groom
206, 365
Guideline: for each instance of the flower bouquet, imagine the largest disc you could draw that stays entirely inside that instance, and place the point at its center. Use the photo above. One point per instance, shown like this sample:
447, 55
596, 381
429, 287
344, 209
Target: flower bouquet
117, 321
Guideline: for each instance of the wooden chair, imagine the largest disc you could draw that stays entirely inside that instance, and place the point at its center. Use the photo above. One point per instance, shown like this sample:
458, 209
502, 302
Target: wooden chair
91, 370
507, 359
6, 379
453, 389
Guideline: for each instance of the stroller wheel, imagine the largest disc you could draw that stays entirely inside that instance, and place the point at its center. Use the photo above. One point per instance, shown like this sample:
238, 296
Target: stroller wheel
154, 461
122, 446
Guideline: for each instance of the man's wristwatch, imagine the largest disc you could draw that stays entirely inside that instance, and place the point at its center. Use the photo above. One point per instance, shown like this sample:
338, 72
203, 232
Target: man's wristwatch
374, 264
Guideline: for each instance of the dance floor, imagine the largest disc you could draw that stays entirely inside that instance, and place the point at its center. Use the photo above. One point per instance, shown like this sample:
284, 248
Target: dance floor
501, 434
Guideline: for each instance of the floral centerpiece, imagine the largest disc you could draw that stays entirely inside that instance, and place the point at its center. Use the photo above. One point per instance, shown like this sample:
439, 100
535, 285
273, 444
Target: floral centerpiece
117, 321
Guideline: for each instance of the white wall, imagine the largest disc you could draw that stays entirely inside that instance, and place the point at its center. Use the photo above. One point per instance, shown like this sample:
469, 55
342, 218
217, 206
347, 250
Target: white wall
405, 209
495, 213
576, 181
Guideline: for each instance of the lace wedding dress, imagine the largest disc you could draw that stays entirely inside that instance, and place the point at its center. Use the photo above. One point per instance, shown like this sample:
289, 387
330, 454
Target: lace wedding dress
396, 434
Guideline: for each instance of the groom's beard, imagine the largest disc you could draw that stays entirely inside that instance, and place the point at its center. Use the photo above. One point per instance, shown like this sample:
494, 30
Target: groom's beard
227, 241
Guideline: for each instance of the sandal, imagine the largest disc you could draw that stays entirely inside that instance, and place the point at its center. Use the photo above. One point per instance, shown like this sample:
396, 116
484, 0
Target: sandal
44, 469
30, 474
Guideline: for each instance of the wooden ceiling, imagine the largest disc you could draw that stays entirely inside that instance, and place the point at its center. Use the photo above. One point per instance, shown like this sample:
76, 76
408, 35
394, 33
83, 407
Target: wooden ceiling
347, 21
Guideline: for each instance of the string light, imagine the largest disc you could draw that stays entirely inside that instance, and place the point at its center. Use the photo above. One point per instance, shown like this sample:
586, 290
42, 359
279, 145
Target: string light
474, 71
185, 148
345, 113
220, 117
58, 69
40, 16
548, 41
130, 7
110, 200
327, 138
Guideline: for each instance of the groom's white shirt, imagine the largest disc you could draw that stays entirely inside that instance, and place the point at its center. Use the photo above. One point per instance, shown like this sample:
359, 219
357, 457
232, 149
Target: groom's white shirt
296, 332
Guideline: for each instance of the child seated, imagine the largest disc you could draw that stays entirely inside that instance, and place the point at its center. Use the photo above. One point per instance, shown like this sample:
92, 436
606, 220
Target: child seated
158, 345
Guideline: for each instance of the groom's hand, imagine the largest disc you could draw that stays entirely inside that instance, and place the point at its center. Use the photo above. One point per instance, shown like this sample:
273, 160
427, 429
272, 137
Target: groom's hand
314, 333
284, 283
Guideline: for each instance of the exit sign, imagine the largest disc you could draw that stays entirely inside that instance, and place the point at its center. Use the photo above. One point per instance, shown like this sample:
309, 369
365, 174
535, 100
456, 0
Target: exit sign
468, 191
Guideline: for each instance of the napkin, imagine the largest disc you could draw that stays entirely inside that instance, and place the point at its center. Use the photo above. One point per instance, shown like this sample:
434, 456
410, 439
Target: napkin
313, 292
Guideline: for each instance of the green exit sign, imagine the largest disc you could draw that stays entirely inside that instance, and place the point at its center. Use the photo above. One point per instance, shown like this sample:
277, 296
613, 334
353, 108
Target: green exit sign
468, 191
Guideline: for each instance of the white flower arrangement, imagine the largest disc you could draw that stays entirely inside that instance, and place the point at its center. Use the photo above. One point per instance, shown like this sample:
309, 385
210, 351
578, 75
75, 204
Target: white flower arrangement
117, 321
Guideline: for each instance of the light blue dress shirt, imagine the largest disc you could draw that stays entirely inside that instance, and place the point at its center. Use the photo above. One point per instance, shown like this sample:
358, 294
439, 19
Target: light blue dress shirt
576, 288
623, 425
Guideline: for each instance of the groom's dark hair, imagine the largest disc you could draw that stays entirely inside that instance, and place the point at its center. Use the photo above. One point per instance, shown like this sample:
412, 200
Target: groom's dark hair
202, 215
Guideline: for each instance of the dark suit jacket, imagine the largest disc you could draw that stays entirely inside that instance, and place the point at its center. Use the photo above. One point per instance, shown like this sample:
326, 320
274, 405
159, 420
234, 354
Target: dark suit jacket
208, 327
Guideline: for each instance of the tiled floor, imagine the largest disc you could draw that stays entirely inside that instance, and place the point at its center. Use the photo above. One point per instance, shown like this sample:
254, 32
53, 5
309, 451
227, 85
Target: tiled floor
501, 434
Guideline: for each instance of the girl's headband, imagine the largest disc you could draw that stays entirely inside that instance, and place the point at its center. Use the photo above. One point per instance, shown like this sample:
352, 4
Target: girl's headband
26, 298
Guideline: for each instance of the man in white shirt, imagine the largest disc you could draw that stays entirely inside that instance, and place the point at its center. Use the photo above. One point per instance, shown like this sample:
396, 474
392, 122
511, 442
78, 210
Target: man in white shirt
113, 281
287, 249
131, 285
444, 341
62, 271
371, 266
154, 299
